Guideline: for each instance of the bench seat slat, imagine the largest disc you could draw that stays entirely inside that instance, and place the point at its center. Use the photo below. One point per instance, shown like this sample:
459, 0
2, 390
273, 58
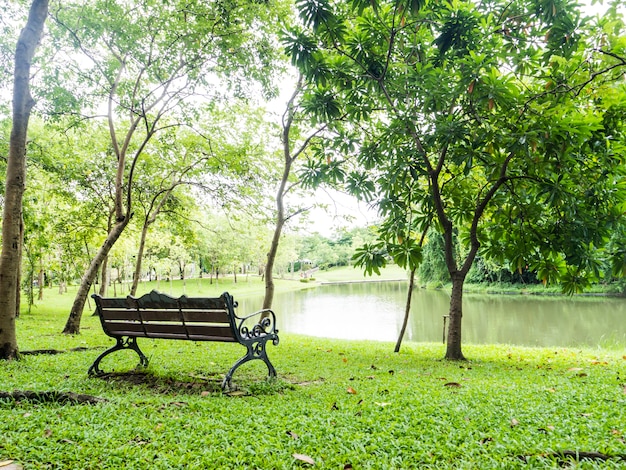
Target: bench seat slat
110, 302
208, 316
205, 316
118, 328
162, 329
184, 302
176, 330
108, 314
212, 331
203, 303
224, 339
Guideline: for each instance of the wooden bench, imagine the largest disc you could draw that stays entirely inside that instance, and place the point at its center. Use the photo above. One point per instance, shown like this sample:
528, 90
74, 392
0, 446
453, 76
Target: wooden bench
157, 315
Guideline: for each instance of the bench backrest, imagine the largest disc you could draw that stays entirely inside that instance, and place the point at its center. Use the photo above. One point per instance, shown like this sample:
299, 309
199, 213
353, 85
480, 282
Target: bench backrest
157, 315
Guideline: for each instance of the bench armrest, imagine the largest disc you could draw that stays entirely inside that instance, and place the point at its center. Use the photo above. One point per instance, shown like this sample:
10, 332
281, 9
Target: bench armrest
265, 326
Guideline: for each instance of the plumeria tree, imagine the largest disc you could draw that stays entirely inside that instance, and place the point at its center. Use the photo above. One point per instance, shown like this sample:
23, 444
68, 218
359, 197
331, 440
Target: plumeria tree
499, 123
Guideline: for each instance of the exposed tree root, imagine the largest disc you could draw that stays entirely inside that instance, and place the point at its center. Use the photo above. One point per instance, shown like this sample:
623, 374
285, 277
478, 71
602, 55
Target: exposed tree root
36, 352
51, 397
565, 457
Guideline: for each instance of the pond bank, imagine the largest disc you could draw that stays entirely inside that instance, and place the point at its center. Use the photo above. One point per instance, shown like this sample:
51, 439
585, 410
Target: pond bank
348, 274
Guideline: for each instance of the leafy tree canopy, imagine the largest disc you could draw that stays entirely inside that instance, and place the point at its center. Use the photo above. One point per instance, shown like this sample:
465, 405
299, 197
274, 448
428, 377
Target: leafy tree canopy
499, 123
511, 112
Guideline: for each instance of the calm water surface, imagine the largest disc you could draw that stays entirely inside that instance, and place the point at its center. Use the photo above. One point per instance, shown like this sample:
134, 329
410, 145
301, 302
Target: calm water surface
374, 310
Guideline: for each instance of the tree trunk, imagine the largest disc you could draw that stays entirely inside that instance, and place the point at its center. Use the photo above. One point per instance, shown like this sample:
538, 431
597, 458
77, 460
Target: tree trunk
407, 310
18, 282
72, 326
142, 247
280, 197
453, 350
16, 173
271, 258
104, 281
41, 279
104, 276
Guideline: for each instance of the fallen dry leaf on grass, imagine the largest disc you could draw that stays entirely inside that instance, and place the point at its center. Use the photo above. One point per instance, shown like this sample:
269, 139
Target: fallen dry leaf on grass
9, 465
304, 458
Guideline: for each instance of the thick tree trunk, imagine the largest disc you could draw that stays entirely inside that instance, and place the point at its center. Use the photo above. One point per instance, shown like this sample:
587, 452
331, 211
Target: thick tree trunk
453, 350
72, 326
407, 311
15, 178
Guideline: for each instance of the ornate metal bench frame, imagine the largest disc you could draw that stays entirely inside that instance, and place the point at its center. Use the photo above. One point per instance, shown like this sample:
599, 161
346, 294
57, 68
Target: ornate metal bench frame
124, 319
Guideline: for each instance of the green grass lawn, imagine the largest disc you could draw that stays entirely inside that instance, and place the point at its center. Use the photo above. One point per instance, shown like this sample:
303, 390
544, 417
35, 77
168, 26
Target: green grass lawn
341, 404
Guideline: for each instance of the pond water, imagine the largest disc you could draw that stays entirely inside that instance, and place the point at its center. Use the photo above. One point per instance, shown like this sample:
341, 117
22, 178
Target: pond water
375, 310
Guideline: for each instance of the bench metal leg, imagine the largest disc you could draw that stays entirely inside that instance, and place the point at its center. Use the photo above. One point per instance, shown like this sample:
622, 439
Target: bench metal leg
255, 351
121, 343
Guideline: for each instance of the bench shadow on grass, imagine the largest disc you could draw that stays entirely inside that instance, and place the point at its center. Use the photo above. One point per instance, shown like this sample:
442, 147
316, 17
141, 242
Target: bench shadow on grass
204, 384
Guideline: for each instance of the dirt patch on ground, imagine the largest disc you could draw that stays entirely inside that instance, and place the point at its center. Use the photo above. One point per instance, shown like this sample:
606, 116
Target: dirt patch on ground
197, 383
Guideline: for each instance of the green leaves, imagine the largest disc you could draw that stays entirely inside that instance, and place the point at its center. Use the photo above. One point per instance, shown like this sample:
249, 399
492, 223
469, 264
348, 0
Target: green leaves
314, 172
322, 105
372, 257
459, 32
575, 282
406, 254
300, 47
314, 13
411, 6
361, 186
550, 268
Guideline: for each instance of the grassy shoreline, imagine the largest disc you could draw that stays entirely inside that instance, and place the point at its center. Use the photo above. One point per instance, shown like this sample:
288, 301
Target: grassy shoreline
343, 404
339, 402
